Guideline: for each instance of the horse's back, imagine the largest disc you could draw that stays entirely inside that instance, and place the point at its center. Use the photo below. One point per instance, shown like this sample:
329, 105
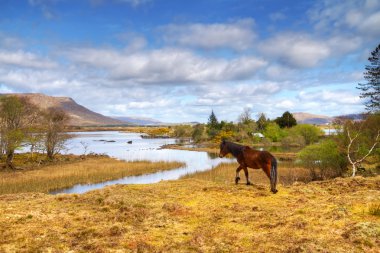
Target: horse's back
256, 159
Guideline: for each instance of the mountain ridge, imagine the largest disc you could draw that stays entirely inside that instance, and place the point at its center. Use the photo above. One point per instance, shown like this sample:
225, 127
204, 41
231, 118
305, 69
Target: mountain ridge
79, 114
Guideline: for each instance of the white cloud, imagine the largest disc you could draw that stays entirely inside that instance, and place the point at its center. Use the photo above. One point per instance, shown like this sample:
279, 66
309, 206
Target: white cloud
25, 59
341, 97
166, 65
237, 35
296, 49
361, 16
285, 104
301, 50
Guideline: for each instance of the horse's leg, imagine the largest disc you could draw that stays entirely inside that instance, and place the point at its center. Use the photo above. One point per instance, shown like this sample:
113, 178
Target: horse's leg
246, 175
237, 178
267, 169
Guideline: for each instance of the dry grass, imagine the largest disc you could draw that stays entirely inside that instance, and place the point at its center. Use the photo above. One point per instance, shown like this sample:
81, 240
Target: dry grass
225, 173
196, 216
92, 170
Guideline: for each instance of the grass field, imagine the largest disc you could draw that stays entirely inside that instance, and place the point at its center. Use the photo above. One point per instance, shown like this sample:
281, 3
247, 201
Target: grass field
92, 170
191, 215
225, 173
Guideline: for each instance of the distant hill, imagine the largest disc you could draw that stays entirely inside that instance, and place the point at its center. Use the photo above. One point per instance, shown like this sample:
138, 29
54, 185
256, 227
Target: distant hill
142, 121
354, 116
308, 118
79, 115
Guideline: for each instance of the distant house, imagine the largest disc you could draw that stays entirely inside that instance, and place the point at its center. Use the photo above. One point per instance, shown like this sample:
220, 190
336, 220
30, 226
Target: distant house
260, 135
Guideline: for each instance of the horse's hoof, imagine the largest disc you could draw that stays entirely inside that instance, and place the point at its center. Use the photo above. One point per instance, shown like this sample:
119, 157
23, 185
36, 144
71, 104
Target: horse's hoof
248, 183
237, 180
274, 191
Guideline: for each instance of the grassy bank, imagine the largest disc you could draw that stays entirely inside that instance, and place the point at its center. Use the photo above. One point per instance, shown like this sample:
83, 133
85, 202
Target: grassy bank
197, 216
64, 175
225, 173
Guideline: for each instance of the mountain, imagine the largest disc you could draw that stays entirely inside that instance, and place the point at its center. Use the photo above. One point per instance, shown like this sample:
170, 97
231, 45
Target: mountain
308, 118
353, 116
79, 115
139, 121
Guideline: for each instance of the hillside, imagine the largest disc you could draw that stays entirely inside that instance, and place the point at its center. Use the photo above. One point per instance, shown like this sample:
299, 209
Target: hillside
308, 118
143, 121
197, 216
79, 115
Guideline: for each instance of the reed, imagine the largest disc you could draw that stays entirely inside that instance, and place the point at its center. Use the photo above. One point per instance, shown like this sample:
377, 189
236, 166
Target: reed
92, 170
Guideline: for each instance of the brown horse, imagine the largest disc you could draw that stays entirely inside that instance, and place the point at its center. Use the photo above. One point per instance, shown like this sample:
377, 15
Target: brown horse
250, 158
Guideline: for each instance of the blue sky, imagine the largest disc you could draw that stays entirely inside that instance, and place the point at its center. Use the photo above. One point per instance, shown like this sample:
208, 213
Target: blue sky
177, 60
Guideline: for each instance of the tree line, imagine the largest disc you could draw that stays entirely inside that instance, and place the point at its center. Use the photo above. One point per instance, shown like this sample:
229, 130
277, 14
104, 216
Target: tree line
24, 124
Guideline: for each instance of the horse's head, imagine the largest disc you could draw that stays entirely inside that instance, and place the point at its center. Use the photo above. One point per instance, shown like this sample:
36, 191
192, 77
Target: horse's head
223, 149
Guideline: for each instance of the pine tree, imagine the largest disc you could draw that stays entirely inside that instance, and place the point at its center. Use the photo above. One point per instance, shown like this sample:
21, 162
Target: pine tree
213, 125
286, 120
371, 89
213, 121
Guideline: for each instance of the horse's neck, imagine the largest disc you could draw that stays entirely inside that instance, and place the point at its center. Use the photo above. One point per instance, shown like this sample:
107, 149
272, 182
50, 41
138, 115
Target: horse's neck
235, 149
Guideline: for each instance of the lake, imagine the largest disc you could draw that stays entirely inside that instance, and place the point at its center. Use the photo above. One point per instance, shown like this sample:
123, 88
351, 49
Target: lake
115, 144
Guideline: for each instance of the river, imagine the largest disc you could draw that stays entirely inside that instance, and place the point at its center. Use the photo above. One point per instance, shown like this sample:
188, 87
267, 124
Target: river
115, 144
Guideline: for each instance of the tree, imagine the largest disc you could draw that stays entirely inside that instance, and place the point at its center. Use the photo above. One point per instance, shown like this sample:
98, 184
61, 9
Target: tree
55, 121
262, 122
213, 121
245, 117
371, 89
361, 140
198, 133
286, 120
17, 117
213, 126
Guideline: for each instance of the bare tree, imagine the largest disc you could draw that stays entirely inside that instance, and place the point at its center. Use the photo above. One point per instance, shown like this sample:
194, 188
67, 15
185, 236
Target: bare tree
360, 140
245, 116
354, 162
55, 121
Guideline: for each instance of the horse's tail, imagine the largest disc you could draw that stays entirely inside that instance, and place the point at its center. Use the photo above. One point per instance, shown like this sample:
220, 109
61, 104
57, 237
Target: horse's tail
273, 175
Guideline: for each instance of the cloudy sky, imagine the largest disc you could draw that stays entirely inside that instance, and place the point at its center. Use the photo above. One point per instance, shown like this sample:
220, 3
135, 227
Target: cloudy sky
175, 61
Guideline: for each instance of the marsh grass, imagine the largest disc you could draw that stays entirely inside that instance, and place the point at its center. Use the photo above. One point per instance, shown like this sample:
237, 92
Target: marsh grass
195, 216
374, 209
64, 175
288, 173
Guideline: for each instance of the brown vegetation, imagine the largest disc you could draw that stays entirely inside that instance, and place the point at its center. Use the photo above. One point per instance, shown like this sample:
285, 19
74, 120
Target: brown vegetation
63, 175
225, 173
196, 216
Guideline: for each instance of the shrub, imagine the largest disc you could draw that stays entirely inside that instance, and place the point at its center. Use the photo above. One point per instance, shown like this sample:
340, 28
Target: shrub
274, 132
310, 133
323, 160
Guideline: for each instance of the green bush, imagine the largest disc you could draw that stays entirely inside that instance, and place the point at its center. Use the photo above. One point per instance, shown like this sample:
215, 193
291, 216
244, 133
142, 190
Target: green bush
274, 132
323, 160
310, 133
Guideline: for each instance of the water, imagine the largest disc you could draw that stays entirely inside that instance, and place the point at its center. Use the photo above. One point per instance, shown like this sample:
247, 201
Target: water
115, 144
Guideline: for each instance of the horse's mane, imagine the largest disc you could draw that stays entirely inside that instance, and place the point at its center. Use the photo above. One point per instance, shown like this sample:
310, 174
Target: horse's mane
234, 148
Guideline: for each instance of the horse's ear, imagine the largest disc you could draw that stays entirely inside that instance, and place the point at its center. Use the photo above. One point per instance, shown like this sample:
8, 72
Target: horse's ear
224, 141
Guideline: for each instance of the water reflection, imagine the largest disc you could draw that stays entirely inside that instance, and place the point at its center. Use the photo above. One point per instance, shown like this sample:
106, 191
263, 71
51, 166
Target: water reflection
115, 144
